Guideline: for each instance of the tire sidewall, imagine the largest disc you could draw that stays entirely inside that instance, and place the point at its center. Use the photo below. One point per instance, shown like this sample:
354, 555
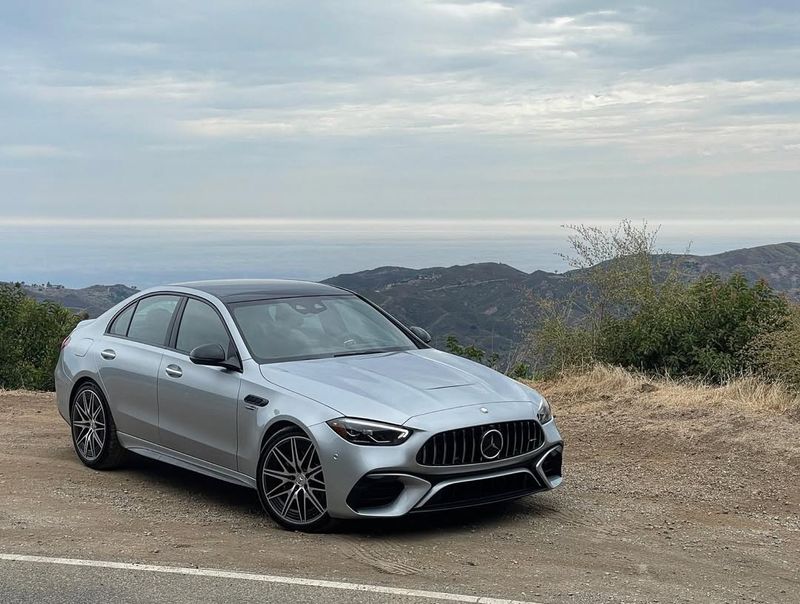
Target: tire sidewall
323, 522
100, 459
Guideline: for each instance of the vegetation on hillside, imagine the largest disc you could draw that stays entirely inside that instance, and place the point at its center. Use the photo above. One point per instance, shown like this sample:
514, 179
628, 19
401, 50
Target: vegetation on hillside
642, 315
30, 336
630, 306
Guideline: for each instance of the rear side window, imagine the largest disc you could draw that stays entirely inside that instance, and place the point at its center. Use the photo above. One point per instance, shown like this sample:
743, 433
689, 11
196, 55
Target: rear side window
201, 325
120, 325
151, 320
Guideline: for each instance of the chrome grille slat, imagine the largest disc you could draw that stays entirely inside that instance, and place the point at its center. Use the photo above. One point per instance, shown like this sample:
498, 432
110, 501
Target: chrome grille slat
463, 445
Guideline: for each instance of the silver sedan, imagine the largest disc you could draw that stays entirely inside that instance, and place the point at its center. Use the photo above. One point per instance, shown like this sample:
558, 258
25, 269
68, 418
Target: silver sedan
311, 394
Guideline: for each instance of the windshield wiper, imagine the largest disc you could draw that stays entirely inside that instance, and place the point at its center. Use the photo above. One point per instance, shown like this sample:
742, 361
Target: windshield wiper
357, 352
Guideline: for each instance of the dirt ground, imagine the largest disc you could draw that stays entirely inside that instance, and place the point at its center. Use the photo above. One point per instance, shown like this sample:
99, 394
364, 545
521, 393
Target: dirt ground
666, 503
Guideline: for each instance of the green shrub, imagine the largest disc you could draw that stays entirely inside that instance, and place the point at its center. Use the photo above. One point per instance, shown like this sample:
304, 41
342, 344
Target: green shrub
30, 336
631, 307
776, 354
471, 352
706, 329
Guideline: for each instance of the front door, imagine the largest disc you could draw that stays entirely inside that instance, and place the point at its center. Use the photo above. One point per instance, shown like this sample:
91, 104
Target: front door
197, 403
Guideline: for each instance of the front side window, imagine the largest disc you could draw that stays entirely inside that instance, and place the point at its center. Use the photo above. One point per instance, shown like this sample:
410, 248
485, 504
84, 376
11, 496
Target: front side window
151, 320
201, 325
316, 327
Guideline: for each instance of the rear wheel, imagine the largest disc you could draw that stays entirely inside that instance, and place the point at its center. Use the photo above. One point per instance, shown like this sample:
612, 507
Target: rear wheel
94, 434
291, 485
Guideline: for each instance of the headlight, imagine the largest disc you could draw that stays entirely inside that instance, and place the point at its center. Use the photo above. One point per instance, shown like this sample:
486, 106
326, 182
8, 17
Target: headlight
364, 432
544, 414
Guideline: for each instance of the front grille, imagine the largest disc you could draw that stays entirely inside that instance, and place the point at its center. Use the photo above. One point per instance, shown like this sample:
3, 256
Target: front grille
479, 492
463, 446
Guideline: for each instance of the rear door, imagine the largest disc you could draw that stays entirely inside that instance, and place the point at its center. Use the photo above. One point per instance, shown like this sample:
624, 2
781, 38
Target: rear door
197, 403
129, 356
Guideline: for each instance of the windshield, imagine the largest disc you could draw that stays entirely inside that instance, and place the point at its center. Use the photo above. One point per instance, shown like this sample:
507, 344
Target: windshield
290, 329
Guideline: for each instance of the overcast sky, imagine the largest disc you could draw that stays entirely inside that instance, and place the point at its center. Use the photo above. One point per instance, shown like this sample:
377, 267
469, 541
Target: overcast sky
410, 108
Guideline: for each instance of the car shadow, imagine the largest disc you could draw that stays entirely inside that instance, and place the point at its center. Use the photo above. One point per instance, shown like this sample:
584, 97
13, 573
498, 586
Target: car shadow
199, 488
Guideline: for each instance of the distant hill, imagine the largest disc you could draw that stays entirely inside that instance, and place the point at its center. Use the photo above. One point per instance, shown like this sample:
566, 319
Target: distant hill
486, 304
93, 300
778, 264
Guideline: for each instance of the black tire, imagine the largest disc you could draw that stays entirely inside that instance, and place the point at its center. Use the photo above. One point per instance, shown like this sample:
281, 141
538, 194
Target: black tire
308, 499
105, 451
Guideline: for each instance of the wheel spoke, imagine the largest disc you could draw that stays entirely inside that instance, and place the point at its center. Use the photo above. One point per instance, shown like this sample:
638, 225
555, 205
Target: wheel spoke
301, 508
277, 475
289, 498
295, 456
283, 460
286, 490
81, 412
313, 499
309, 453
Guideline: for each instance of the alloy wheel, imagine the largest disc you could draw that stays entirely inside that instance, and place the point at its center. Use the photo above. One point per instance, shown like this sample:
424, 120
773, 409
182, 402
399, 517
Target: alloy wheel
293, 484
89, 424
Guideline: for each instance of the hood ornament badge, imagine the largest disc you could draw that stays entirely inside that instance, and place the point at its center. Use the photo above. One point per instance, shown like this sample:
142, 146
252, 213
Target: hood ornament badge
484, 410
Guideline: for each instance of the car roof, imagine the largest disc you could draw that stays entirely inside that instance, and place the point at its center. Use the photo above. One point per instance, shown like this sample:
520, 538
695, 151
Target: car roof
245, 290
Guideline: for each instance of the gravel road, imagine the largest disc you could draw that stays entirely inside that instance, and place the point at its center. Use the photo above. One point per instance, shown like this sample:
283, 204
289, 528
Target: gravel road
660, 503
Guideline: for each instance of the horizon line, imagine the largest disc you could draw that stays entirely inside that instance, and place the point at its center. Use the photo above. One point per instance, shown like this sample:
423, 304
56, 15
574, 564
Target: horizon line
372, 222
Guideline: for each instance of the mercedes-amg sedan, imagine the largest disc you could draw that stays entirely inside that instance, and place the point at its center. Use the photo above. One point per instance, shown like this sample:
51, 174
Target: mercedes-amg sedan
312, 395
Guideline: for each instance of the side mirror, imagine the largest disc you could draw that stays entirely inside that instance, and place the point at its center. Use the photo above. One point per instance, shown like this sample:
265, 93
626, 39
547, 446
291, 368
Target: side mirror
214, 355
421, 334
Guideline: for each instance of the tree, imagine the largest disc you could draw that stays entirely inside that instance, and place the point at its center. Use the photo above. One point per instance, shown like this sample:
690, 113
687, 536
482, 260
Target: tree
30, 336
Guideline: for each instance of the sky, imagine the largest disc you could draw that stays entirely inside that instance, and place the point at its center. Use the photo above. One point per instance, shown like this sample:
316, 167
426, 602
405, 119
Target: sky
415, 110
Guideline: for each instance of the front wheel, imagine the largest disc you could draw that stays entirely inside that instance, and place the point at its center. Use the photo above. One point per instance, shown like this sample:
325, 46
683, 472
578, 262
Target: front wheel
290, 482
94, 434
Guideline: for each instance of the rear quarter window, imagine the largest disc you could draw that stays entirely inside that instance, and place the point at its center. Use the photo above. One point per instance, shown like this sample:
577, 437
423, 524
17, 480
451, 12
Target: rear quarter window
119, 327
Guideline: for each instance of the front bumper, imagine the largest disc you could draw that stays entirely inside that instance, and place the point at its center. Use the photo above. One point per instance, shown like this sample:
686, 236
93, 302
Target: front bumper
380, 482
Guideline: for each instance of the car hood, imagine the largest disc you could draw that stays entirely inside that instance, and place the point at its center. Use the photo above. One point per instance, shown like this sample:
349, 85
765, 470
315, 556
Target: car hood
394, 387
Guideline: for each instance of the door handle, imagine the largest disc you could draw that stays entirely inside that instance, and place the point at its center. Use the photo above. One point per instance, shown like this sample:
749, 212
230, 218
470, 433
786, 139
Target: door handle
108, 354
173, 371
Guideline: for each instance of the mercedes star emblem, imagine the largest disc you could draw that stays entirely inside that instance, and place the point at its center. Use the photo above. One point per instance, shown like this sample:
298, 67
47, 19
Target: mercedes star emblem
491, 444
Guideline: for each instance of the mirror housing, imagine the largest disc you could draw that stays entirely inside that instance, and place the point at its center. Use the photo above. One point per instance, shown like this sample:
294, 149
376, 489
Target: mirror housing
213, 355
421, 334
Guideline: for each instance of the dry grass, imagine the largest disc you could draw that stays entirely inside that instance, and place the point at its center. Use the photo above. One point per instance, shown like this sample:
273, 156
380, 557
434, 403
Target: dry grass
603, 383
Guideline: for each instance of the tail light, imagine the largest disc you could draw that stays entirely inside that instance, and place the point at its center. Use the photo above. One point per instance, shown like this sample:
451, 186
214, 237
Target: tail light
65, 342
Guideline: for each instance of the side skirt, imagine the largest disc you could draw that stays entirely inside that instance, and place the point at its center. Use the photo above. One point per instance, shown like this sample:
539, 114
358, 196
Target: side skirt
187, 462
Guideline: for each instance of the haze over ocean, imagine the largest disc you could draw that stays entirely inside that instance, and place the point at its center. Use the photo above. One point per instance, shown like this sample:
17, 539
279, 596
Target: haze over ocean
77, 253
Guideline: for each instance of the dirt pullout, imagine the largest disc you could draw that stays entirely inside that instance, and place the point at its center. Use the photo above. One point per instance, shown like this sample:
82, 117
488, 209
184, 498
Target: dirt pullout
661, 502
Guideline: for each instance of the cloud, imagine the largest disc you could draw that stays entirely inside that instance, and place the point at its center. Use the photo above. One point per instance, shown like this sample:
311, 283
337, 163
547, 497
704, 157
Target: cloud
497, 98
34, 152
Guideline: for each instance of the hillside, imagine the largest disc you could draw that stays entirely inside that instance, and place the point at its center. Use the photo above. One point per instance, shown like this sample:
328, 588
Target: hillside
488, 304
93, 300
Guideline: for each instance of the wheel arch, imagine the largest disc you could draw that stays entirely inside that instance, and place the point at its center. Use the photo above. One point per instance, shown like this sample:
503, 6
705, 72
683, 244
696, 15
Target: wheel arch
77, 385
275, 427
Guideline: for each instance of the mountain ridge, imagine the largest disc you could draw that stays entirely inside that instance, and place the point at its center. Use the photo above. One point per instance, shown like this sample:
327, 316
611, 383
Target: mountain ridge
483, 303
